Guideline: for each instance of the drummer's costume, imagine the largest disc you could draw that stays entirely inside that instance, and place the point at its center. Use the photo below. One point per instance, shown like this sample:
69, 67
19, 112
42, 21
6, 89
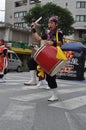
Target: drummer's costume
54, 37
3, 60
52, 80
32, 65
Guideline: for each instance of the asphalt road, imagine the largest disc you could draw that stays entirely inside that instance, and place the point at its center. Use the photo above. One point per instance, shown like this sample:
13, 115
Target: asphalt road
26, 107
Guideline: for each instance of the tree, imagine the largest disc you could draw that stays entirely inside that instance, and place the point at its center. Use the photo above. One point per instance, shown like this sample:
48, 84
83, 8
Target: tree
83, 40
65, 17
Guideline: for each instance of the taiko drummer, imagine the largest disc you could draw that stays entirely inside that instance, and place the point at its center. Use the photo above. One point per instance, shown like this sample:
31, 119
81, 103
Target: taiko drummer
53, 37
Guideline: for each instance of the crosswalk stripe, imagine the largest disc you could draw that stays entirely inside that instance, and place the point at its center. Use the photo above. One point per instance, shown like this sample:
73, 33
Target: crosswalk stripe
16, 112
39, 95
31, 97
12, 83
72, 82
15, 80
65, 87
71, 90
71, 103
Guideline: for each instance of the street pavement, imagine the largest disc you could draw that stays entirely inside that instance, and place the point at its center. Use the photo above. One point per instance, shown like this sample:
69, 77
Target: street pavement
27, 108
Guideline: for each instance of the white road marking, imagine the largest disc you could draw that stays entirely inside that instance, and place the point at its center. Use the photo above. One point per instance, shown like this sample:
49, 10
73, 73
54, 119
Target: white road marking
40, 95
74, 121
71, 90
71, 104
15, 80
31, 97
71, 82
73, 125
17, 112
11, 83
29, 87
9, 90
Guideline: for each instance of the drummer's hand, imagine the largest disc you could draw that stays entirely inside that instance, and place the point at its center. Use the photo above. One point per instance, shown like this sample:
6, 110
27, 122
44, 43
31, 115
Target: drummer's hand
36, 47
50, 43
33, 25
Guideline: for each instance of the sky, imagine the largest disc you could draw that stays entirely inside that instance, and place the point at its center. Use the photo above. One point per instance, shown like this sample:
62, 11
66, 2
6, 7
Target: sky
2, 7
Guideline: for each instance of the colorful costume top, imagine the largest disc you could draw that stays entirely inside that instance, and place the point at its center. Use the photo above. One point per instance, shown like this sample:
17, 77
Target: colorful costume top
54, 36
3, 57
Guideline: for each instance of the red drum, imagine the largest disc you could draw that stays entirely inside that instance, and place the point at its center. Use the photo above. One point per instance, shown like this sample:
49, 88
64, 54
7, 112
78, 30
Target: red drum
45, 56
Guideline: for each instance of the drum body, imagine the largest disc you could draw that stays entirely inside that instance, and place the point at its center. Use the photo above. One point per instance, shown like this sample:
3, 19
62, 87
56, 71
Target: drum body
45, 56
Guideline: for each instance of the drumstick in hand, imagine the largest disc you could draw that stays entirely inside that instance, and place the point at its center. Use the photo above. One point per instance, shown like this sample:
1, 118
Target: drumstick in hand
37, 21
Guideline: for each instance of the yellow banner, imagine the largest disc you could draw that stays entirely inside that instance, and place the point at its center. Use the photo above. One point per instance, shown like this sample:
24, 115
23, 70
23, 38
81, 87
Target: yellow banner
60, 54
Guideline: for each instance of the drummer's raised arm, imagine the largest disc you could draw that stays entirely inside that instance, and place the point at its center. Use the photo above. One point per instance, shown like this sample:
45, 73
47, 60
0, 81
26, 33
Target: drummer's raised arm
35, 33
37, 37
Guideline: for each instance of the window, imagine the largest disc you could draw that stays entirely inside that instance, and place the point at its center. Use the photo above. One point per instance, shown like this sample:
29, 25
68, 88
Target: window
78, 5
20, 3
80, 18
16, 24
81, 4
34, 1
14, 56
24, 24
19, 14
21, 24
17, 4
16, 15
24, 13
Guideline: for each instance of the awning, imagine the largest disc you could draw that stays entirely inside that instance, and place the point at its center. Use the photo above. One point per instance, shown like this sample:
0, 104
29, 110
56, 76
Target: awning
74, 46
21, 50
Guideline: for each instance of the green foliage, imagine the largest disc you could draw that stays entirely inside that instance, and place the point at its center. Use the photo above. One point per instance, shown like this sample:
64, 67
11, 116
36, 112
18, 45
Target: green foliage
33, 14
65, 17
83, 40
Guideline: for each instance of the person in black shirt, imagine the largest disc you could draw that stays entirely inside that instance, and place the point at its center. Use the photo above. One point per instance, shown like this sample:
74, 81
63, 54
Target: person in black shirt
50, 39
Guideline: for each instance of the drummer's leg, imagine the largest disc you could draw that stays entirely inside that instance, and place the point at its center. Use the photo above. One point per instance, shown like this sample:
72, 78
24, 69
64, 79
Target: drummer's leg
53, 85
51, 81
32, 67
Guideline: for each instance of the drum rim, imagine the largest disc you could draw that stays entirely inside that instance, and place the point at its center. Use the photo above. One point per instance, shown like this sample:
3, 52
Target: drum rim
55, 66
60, 65
38, 51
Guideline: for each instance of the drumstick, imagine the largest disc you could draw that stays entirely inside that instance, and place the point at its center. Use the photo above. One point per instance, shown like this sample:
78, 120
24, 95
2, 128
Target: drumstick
38, 19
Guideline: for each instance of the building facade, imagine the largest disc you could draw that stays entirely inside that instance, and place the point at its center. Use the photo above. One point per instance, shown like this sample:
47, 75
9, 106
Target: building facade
16, 9
78, 10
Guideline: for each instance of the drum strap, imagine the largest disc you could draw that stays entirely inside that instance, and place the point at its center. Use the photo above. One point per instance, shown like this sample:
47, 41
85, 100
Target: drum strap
60, 54
57, 39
